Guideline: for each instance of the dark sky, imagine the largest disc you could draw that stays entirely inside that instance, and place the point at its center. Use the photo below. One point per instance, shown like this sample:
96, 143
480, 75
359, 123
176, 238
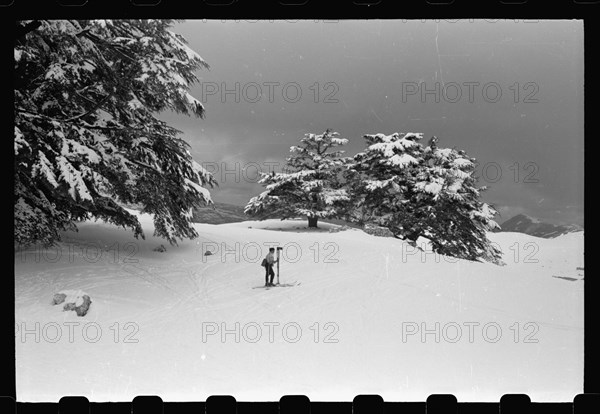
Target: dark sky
519, 112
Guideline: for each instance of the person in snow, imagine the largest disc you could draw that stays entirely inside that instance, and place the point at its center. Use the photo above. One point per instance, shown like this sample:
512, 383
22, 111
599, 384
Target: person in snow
269, 267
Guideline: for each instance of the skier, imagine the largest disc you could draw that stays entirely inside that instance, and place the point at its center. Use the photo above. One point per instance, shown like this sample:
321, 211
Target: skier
270, 261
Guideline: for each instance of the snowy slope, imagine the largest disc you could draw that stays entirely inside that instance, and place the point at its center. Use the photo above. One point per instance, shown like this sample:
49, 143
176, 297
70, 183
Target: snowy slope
363, 291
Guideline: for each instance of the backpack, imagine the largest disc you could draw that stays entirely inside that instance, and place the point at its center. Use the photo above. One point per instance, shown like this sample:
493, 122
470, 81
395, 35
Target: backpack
264, 262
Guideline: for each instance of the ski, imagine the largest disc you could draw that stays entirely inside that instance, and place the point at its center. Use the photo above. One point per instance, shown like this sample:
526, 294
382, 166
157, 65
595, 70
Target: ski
292, 284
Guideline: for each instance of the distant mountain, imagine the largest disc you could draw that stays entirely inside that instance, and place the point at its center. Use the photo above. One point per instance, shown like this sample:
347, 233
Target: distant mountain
523, 223
222, 213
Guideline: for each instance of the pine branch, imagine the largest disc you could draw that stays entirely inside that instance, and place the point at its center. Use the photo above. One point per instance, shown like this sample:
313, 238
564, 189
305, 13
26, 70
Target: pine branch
21, 31
93, 109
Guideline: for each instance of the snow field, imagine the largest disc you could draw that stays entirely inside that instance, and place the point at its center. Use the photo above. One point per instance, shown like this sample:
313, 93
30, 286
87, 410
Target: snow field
372, 315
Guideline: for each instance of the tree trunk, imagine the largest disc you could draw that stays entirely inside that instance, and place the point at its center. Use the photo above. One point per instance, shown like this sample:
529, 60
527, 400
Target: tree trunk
312, 221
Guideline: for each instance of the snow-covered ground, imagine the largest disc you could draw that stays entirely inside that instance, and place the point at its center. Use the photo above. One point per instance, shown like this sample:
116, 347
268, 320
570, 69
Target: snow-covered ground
156, 321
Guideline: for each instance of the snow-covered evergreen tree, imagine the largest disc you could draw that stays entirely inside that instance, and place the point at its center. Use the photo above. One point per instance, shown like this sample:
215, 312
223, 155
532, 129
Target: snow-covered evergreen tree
309, 187
422, 191
87, 138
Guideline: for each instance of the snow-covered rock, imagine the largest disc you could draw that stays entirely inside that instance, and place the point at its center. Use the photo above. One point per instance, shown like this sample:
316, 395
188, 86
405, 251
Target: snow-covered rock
160, 248
74, 300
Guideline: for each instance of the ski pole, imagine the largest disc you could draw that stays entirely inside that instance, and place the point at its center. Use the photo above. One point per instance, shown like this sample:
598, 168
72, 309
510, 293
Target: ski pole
278, 250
